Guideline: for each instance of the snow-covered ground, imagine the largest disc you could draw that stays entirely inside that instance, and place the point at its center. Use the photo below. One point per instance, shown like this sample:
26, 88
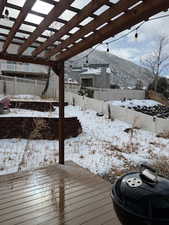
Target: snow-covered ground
21, 97
14, 112
27, 98
132, 103
102, 145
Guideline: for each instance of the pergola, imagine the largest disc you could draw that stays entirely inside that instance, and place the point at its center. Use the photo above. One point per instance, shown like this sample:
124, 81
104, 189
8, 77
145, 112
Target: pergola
91, 24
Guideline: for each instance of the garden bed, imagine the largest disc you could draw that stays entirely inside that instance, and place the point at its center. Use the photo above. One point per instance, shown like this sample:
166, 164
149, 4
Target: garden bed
38, 128
39, 105
160, 111
146, 106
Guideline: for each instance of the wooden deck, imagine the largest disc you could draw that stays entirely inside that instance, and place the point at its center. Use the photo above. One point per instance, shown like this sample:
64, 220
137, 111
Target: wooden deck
57, 195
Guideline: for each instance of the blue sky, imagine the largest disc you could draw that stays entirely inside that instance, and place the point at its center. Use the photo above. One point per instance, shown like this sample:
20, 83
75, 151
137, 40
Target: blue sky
131, 49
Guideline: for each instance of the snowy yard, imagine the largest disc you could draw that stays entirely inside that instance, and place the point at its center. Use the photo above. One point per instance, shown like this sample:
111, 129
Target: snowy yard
103, 145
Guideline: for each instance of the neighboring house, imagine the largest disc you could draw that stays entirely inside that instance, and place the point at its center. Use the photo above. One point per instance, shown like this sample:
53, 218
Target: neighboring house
36, 73
24, 70
93, 75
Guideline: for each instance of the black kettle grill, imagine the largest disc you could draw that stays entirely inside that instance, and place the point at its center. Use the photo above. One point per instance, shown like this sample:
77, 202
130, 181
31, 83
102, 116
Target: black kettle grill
142, 198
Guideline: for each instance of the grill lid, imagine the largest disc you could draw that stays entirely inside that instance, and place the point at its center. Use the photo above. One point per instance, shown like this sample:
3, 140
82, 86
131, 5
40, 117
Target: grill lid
145, 184
143, 194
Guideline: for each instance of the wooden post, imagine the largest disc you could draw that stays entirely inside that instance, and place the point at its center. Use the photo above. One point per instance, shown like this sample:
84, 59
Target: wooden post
59, 70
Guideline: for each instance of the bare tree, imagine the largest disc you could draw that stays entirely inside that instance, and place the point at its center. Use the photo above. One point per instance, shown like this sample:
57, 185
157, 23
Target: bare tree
158, 60
55, 25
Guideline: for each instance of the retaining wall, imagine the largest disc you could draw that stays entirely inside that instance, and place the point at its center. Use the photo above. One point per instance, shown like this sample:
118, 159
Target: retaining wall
118, 94
136, 119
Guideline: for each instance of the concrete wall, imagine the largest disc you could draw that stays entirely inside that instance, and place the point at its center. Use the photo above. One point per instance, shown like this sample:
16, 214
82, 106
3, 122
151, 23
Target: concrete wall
136, 119
99, 80
118, 94
109, 94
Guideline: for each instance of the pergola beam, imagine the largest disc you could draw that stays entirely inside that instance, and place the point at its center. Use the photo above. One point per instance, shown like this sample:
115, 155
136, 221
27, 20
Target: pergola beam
120, 7
131, 18
55, 12
86, 11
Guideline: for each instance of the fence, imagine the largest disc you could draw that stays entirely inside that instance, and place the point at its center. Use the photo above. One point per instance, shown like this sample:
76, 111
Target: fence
136, 119
16, 86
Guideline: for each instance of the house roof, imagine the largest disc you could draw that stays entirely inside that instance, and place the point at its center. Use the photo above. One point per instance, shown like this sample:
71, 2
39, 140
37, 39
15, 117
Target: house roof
63, 29
93, 71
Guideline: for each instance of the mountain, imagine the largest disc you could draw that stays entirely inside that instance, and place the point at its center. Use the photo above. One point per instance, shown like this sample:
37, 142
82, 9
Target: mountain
123, 72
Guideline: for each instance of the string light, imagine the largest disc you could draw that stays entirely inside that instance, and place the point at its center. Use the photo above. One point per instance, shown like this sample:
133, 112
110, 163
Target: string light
87, 60
117, 39
107, 47
6, 13
136, 34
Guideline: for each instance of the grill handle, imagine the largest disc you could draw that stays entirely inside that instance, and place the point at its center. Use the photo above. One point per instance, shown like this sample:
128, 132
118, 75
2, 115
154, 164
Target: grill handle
145, 166
148, 175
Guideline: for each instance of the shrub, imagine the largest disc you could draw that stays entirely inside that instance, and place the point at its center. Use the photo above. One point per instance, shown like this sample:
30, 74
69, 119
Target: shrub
162, 85
87, 92
114, 86
161, 166
139, 85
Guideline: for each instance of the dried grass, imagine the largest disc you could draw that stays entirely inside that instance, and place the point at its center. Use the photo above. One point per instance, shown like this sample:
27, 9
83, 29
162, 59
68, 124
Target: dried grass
161, 165
163, 135
39, 124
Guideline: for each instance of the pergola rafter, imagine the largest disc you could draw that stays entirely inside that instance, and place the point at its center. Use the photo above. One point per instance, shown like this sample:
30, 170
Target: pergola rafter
113, 11
65, 43
104, 25
22, 15
55, 12
87, 11
50, 29
130, 18
21, 31
17, 38
12, 6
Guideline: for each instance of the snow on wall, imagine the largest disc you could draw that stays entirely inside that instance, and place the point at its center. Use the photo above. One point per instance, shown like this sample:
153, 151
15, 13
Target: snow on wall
136, 119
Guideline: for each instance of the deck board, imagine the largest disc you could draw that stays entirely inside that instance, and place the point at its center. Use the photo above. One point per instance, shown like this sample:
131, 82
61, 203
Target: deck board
57, 195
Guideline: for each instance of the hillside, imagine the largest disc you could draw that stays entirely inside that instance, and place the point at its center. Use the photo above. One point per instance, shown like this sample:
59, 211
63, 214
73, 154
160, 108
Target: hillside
124, 72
